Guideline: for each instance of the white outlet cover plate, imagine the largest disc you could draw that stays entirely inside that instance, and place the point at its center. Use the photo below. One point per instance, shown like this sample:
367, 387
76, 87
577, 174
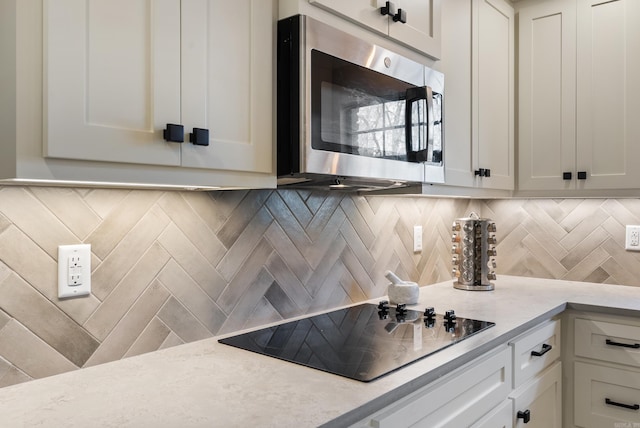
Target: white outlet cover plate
65, 252
632, 238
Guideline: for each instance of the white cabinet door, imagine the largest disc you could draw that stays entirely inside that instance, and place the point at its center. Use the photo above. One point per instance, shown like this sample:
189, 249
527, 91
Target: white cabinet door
364, 12
112, 80
500, 417
422, 29
420, 32
479, 103
227, 83
608, 79
538, 403
546, 71
119, 71
493, 92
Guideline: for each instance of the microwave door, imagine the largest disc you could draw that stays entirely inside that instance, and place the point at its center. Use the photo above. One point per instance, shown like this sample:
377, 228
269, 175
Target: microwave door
419, 124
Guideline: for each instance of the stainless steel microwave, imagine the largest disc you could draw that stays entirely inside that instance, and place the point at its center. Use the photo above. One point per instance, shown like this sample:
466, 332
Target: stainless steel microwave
352, 114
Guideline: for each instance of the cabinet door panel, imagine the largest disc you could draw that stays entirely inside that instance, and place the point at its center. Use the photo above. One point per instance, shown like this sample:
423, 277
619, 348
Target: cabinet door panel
109, 94
546, 95
364, 12
608, 75
542, 397
422, 29
227, 83
493, 77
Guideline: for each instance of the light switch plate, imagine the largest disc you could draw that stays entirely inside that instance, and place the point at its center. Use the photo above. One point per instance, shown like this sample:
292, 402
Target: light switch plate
74, 270
417, 239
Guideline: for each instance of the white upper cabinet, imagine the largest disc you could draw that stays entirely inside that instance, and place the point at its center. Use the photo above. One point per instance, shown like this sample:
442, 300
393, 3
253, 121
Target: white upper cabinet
578, 64
414, 23
547, 93
608, 106
478, 63
117, 72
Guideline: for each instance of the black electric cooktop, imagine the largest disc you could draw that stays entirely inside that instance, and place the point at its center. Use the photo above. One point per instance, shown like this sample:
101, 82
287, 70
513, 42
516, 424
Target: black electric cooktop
362, 342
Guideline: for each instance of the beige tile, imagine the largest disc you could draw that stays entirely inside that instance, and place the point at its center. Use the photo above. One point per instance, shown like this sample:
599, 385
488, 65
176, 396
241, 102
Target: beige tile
175, 316
30, 308
151, 338
4, 223
288, 281
236, 257
104, 201
13, 377
28, 260
130, 326
242, 284
121, 220
192, 261
35, 220
210, 212
193, 227
242, 214
117, 304
128, 251
187, 291
29, 353
587, 265
4, 269
171, 340
287, 250
70, 208
325, 239
240, 316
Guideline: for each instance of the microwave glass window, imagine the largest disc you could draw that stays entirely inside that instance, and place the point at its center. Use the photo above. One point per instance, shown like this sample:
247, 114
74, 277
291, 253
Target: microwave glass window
360, 111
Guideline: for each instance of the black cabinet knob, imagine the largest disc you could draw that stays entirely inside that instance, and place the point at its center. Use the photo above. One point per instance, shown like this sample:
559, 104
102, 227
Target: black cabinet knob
582, 175
525, 416
483, 172
567, 175
174, 133
200, 137
400, 16
388, 9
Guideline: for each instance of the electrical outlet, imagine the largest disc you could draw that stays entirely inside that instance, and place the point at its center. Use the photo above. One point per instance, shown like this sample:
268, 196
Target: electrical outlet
632, 241
74, 270
417, 239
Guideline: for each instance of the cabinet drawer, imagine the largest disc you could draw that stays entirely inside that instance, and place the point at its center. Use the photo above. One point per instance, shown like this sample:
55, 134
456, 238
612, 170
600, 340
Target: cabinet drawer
605, 396
460, 400
608, 341
541, 399
535, 350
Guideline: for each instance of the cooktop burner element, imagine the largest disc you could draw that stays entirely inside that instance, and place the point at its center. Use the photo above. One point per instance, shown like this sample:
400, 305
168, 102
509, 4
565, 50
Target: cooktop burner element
362, 342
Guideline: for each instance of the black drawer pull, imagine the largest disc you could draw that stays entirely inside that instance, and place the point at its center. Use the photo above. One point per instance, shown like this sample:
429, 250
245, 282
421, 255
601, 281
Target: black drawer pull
624, 345
525, 416
626, 406
545, 348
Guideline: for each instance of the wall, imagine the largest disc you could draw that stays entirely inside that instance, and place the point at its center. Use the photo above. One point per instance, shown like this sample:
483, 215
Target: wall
174, 267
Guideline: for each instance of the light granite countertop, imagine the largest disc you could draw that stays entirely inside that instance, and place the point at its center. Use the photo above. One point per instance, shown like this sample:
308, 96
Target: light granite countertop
206, 384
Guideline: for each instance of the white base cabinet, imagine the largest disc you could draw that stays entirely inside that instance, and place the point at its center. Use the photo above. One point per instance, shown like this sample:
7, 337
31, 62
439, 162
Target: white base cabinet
538, 403
458, 400
603, 371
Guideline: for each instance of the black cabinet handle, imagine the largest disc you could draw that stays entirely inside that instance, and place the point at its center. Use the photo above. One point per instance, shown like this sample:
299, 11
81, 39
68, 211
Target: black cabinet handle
401, 16
582, 175
388, 9
624, 345
174, 133
525, 416
199, 137
626, 406
566, 176
482, 172
545, 348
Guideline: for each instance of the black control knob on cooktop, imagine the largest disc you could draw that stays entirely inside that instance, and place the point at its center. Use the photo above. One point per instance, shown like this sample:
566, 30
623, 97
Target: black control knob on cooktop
450, 316
430, 312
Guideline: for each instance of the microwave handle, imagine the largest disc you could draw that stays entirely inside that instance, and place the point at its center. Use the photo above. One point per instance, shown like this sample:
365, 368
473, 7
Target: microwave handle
413, 95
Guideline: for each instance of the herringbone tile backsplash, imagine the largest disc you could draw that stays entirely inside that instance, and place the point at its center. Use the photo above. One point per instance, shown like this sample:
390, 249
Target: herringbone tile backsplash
174, 267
